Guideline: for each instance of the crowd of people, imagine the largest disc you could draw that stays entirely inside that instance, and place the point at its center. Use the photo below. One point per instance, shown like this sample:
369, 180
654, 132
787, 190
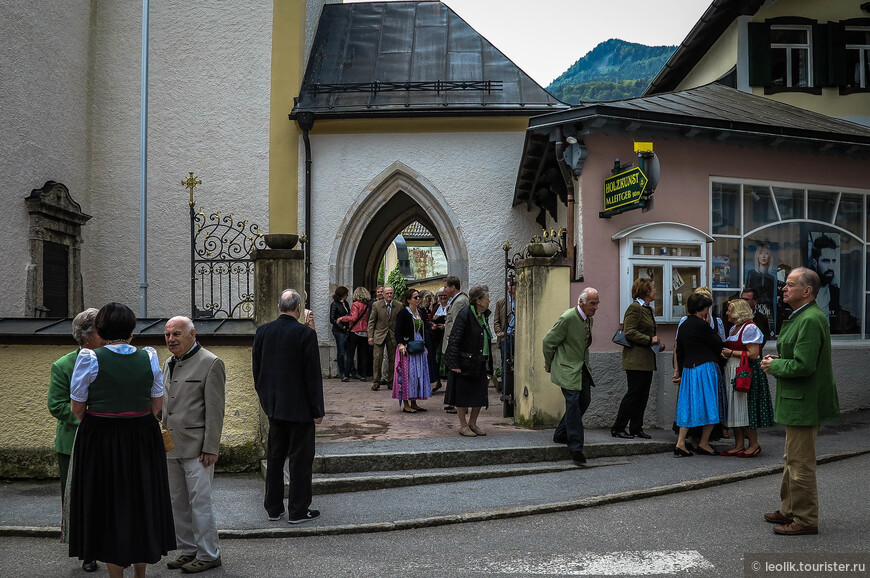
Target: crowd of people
130, 496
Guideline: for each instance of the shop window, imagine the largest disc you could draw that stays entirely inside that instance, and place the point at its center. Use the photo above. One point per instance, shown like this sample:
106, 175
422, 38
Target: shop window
672, 256
816, 228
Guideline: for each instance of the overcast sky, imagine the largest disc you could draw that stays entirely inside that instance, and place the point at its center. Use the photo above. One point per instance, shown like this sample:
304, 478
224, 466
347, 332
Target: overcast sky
545, 37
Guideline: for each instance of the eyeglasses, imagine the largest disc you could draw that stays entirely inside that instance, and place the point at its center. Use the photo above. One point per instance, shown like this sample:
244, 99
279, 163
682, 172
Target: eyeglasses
415, 297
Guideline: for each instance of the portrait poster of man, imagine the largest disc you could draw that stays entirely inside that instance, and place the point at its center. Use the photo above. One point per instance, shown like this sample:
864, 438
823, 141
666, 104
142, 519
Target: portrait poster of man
823, 256
761, 276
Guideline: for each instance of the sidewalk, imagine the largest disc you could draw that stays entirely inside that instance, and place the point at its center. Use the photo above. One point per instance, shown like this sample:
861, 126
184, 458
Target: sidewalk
619, 470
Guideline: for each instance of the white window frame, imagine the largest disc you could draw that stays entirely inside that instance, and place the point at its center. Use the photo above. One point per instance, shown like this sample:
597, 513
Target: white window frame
659, 234
790, 48
863, 55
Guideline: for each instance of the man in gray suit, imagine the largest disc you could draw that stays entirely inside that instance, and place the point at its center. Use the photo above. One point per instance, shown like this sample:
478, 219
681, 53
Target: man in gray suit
193, 410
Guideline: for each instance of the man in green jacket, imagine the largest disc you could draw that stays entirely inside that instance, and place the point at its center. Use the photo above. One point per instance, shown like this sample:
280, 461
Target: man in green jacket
566, 359
806, 396
86, 335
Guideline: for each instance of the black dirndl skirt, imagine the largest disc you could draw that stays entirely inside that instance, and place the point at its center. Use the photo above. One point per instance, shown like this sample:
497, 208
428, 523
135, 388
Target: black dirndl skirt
467, 391
119, 506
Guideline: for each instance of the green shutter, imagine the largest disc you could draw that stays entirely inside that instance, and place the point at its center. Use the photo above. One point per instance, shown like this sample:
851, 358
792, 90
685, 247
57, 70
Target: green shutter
759, 53
837, 73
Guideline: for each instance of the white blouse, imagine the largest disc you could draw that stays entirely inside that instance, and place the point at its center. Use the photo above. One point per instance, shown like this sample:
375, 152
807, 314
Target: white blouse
751, 334
87, 367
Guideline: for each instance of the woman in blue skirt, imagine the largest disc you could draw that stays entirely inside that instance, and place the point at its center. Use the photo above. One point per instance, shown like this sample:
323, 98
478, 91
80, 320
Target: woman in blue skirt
698, 353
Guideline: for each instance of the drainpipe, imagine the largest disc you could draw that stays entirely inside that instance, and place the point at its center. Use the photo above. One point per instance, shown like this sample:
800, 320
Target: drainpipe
570, 159
306, 123
143, 168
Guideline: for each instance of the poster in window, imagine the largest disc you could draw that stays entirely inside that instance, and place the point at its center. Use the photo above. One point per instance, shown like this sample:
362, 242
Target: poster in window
760, 275
823, 256
721, 271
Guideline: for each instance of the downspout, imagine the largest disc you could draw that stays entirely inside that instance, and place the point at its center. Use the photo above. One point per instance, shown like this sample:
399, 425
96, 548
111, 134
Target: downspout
143, 168
306, 123
570, 159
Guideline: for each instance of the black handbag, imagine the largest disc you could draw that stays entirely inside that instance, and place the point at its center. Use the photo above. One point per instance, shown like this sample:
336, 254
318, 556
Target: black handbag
416, 346
620, 339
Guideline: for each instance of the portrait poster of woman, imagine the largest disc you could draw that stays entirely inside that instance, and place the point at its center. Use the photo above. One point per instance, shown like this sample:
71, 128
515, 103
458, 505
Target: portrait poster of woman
760, 275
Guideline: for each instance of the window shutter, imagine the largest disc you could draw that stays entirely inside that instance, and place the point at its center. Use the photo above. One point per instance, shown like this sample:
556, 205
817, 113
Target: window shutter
759, 53
820, 55
837, 73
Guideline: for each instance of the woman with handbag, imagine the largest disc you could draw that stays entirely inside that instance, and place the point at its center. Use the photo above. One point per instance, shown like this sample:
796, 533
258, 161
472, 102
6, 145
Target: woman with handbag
358, 337
698, 351
338, 309
119, 504
749, 410
411, 373
638, 361
466, 356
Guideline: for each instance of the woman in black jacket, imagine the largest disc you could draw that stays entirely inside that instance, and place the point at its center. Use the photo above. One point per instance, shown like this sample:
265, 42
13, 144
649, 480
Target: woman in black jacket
411, 372
338, 309
466, 355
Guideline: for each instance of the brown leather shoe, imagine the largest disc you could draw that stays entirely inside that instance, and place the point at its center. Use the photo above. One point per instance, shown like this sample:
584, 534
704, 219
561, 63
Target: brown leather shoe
777, 518
795, 529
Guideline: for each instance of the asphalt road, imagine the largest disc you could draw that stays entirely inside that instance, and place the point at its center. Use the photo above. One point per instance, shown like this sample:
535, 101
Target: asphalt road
700, 533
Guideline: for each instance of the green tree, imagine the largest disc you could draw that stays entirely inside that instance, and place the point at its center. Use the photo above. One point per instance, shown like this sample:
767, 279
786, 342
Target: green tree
398, 282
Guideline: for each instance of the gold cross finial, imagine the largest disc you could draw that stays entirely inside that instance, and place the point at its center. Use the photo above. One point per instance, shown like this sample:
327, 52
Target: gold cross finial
191, 183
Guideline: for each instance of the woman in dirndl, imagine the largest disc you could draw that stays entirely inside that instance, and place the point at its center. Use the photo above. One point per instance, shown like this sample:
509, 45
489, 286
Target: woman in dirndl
699, 348
119, 505
747, 411
411, 372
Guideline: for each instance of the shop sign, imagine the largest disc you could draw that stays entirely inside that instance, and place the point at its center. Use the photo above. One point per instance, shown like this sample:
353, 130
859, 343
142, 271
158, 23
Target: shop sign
624, 189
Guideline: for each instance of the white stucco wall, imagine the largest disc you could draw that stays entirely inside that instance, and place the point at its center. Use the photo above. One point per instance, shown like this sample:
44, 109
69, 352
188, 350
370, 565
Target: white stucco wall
209, 82
474, 172
43, 115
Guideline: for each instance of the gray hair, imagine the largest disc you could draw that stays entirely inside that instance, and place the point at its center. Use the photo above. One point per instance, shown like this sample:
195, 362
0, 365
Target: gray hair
83, 325
584, 295
808, 278
477, 293
187, 321
290, 301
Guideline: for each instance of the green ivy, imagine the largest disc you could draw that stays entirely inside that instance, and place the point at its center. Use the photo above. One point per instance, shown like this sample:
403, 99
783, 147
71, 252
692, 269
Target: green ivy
398, 282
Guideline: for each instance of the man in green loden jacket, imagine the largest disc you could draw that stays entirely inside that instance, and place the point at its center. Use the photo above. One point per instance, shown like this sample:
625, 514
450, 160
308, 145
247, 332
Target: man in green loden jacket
85, 334
806, 396
566, 359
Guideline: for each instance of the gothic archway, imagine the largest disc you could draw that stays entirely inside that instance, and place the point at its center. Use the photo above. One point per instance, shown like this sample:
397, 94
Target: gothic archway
395, 198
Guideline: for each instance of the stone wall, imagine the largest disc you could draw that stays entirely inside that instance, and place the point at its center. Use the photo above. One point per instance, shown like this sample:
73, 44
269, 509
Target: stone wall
27, 429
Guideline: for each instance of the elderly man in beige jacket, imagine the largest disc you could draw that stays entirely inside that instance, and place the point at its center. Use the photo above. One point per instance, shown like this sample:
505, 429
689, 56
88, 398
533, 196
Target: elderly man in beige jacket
193, 410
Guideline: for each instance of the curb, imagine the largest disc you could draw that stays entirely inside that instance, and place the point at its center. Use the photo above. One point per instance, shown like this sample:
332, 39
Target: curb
481, 516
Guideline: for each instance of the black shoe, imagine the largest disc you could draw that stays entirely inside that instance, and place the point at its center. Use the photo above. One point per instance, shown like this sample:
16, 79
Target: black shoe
309, 515
560, 440
681, 454
578, 458
621, 434
90, 566
701, 451
642, 434
345, 379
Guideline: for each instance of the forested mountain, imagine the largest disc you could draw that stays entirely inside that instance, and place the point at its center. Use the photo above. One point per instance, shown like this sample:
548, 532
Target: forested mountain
612, 70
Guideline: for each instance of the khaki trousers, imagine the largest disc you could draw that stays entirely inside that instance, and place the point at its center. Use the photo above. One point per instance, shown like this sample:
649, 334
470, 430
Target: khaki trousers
799, 493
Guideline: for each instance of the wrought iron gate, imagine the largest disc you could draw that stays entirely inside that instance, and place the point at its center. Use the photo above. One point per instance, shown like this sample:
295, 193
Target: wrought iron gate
221, 267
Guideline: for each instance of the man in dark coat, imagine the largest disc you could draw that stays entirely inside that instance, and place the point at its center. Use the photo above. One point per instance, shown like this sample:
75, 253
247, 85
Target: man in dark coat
286, 365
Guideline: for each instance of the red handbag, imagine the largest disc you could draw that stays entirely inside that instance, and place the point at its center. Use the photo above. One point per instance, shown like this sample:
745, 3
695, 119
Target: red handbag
743, 376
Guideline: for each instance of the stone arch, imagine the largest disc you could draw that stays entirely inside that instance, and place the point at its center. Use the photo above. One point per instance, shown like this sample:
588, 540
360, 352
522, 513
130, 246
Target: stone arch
395, 198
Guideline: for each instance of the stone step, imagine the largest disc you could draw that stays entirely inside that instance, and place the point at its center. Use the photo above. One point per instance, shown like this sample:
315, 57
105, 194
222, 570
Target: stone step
367, 470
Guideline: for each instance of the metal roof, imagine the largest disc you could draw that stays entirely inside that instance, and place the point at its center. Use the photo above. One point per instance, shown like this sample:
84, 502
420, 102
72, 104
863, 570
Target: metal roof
148, 331
713, 112
713, 23
411, 59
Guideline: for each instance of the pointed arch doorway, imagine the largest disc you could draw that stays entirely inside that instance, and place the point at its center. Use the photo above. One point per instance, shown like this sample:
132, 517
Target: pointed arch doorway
394, 199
